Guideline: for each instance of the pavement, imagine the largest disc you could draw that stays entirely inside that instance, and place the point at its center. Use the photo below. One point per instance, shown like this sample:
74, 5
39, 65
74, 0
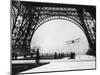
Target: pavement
58, 66
79, 63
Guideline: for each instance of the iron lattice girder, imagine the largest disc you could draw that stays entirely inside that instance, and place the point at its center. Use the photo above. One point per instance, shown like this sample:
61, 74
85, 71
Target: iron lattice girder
33, 16
50, 13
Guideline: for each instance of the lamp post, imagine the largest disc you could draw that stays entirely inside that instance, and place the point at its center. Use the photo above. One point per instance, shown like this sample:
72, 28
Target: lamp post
37, 56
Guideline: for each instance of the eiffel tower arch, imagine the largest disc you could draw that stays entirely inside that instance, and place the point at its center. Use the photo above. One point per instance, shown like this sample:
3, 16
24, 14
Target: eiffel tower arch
27, 17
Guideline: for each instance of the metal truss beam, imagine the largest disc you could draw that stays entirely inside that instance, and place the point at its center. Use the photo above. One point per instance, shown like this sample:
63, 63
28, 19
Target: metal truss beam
28, 18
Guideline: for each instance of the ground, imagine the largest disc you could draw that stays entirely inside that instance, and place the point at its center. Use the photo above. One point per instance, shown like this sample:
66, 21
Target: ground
80, 62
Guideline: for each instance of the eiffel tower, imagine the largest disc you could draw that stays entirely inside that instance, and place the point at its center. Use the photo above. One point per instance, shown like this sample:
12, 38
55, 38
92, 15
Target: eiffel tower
27, 17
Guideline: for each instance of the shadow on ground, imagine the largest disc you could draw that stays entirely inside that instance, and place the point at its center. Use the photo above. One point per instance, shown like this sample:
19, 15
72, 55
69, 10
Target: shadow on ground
16, 68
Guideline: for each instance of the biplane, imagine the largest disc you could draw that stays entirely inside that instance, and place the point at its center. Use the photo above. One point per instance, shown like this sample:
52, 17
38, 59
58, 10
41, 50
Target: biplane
73, 41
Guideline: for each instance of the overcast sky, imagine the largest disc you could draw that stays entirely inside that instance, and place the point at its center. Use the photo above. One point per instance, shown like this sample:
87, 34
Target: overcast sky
52, 36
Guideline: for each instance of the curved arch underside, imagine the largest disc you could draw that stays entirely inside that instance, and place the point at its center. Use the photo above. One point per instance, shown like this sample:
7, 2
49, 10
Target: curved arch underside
27, 17
52, 36
73, 20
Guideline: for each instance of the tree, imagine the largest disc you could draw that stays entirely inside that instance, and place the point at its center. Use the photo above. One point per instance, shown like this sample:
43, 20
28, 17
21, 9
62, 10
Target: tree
72, 55
32, 52
59, 55
55, 55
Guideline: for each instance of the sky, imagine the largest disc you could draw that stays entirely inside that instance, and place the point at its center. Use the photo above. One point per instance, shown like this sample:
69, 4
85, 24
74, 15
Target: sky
51, 37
